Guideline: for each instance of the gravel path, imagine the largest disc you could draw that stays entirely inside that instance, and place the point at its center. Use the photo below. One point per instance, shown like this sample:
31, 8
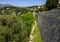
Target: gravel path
31, 36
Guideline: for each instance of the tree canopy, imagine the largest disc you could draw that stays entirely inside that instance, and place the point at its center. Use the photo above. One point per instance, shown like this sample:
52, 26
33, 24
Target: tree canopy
51, 4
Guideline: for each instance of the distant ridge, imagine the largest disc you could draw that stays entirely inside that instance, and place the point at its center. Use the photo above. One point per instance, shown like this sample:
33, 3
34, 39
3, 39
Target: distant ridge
4, 5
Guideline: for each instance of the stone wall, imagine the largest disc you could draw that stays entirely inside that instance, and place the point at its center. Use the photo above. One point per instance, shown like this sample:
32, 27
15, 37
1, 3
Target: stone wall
49, 23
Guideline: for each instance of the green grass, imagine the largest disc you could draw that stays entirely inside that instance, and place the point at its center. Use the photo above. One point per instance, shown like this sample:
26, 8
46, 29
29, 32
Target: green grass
26, 16
37, 35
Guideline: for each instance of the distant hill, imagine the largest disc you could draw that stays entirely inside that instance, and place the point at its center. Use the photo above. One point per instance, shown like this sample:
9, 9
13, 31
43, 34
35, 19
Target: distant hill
4, 5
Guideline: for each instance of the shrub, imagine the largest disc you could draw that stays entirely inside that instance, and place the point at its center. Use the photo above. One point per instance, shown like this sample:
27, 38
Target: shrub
37, 11
51, 4
13, 30
41, 9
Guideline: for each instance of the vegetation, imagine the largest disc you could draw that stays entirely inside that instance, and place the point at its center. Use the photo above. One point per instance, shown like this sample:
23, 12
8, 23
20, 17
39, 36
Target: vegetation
36, 34
29, 19
15, 24
51, 4
15, 29
41, 9
37, 11
13, 10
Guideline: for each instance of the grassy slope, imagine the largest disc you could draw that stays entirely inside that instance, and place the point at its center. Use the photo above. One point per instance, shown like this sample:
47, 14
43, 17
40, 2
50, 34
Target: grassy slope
36, 34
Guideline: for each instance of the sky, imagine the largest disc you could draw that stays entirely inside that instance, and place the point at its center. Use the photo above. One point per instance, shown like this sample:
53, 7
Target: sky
23, 3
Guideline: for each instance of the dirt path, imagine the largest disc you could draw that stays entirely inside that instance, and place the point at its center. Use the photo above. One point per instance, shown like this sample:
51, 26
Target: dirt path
31, 36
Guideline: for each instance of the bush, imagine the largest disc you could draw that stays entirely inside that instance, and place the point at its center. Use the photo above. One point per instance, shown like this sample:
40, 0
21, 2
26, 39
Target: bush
41, 9
37, 11
51, 4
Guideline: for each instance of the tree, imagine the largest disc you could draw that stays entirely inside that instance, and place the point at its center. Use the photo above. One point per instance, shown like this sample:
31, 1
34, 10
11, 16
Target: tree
51, 4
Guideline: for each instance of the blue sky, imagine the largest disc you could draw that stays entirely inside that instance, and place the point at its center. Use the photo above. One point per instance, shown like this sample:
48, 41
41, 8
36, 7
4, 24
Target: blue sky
23, 2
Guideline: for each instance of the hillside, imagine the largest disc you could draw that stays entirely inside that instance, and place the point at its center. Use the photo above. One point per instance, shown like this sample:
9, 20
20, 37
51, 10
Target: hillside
13, 10
16, 24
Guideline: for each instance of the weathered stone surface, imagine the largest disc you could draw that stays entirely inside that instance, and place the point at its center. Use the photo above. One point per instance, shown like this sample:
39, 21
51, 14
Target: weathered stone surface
49, 23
